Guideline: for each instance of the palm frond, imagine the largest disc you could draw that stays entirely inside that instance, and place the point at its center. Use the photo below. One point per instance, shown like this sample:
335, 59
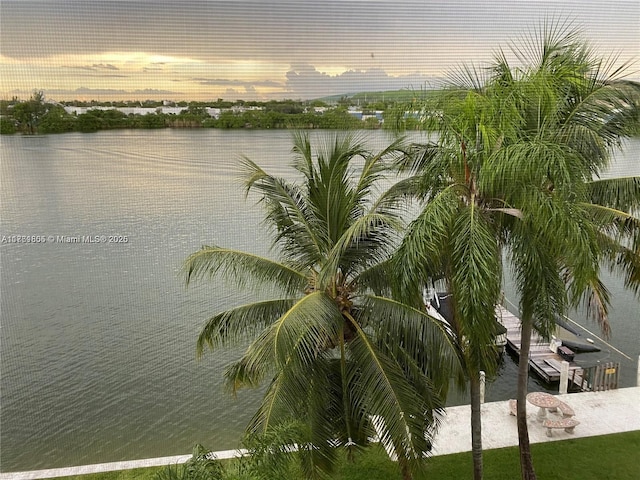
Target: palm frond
377, 278
308, 402
533, 163
426, 343
538, 277
298, 232
475, 282
433, 167
624, 260
419, 257
619, 242
579, 251
503, 74
604, 109
548, 45
303, 158
628, 264
469, 77
366, 242
382, 384
332, 195
620, 193
616, 226
306, 330
243, 269
241, 323
597, 300
376, 167
417, 157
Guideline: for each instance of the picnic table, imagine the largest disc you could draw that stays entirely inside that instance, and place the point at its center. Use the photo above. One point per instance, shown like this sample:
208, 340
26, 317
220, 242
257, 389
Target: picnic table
543, 401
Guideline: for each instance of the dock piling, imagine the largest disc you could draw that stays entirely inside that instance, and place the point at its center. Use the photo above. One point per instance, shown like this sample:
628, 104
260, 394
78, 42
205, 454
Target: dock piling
564, 377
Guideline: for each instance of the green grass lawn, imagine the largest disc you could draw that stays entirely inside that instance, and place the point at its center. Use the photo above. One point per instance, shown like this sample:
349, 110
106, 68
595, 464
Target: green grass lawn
607, 457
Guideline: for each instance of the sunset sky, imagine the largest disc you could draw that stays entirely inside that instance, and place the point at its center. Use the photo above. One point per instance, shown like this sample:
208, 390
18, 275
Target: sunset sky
203, 50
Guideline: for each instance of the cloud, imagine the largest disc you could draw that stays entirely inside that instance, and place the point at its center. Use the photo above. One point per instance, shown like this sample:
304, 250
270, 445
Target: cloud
301, 49
282, 31
221, 82
84, 91
305, 81
80, 67
93, 68
104, 66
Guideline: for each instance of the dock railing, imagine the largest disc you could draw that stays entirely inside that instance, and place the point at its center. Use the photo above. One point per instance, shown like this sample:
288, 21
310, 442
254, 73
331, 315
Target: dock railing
597, 378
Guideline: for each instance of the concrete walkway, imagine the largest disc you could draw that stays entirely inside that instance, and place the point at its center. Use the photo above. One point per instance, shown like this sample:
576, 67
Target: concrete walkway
599, 413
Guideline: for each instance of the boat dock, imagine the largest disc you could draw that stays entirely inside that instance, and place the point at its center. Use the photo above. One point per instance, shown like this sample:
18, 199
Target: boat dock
542, 359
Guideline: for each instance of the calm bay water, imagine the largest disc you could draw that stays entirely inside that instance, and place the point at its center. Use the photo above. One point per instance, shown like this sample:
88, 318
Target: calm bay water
98, 358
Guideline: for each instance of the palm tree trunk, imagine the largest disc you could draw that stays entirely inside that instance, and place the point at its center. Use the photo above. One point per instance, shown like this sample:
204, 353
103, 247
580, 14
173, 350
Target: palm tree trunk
476, 426
406, 472
526, 462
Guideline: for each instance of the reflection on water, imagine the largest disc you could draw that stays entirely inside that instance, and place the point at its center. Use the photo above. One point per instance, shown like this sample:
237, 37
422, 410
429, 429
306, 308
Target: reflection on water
98, 360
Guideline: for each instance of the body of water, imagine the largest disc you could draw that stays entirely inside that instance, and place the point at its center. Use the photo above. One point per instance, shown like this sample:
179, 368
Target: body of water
98, 338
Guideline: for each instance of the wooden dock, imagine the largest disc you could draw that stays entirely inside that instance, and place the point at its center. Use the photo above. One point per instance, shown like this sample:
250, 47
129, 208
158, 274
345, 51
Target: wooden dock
542, 359
547, 364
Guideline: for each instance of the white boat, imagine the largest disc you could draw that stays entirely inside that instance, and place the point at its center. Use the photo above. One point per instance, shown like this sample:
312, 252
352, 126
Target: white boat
438, 305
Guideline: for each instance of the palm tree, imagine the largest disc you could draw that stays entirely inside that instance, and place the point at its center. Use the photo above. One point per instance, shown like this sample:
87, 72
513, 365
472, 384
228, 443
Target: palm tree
513, 169
574, 109
338, 351
457, 238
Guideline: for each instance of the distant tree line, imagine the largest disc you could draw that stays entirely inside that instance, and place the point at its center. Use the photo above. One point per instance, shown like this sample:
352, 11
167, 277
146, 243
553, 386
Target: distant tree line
38, 116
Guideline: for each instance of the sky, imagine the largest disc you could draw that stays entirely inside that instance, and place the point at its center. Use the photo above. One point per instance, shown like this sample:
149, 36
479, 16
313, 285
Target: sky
263, 50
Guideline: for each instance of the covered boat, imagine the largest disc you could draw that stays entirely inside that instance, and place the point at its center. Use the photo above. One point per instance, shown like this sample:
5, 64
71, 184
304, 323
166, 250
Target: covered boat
438, 305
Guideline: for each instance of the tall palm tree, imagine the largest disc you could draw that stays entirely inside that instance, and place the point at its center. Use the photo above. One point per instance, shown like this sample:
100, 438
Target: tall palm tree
457, 238
575, 108
513, 169
337, 350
